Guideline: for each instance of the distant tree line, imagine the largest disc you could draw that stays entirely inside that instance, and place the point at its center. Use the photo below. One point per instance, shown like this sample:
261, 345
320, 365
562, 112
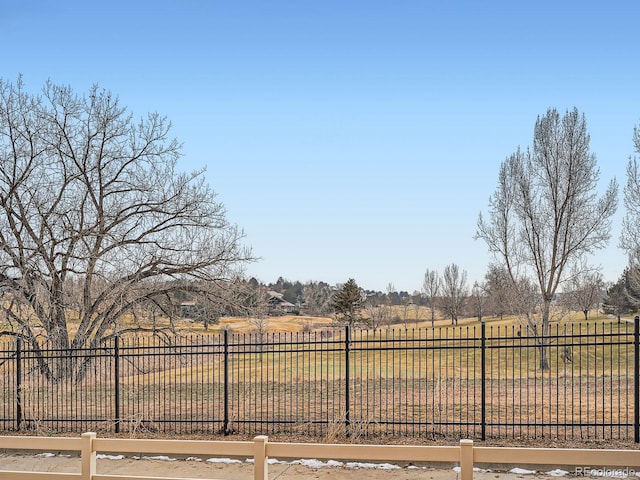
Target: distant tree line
442, 296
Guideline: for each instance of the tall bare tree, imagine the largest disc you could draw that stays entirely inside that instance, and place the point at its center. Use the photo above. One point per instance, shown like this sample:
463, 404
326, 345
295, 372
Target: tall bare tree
454, 291
95, 219
431, 289
630, 237
545, 213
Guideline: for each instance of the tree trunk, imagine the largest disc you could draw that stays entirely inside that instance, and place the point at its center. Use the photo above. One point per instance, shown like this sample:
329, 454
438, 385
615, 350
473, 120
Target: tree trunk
544, 359
62, 364
543, 339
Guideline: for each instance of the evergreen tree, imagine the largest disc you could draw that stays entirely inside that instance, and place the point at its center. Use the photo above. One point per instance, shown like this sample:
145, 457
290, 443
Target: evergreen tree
622, 296
348, 303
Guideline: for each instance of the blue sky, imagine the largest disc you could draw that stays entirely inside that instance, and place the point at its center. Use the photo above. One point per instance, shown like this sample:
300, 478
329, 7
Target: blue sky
348, 138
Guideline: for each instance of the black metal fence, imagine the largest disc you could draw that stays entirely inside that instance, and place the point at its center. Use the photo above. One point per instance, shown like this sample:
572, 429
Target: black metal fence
479, 382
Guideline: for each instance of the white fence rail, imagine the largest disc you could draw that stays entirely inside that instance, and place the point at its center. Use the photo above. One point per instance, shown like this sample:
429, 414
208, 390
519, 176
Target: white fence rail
465, 454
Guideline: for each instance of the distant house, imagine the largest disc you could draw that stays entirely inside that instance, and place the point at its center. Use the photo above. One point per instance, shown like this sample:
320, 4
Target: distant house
277, 305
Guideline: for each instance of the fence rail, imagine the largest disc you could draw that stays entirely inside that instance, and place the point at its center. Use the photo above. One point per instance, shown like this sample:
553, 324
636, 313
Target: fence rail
478, 381
618, 463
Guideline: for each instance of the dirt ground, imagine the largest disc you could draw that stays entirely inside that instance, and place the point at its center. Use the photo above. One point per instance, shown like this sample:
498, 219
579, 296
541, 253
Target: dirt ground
202, 468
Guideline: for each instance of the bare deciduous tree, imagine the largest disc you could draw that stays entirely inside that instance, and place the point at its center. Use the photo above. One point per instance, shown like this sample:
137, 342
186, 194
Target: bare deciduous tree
379, 312
478, 299
95, 220
454, 291
584, 291
545, 213
630, 236
317, 298
500, 292
431, 289
258, 312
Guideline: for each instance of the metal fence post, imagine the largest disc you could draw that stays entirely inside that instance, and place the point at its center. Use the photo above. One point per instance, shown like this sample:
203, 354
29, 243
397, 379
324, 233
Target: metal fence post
116, 381
225, 426
483, 379
636, 379
18, 383
347, 397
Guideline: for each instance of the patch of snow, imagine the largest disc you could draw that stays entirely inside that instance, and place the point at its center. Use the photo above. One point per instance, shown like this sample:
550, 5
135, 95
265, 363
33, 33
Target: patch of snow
357, 465
223, 460
102, 456
313, 463
193, 459
557, 473
275, 461
163, 458
475, 469
45, 455
381, 466
522, 471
